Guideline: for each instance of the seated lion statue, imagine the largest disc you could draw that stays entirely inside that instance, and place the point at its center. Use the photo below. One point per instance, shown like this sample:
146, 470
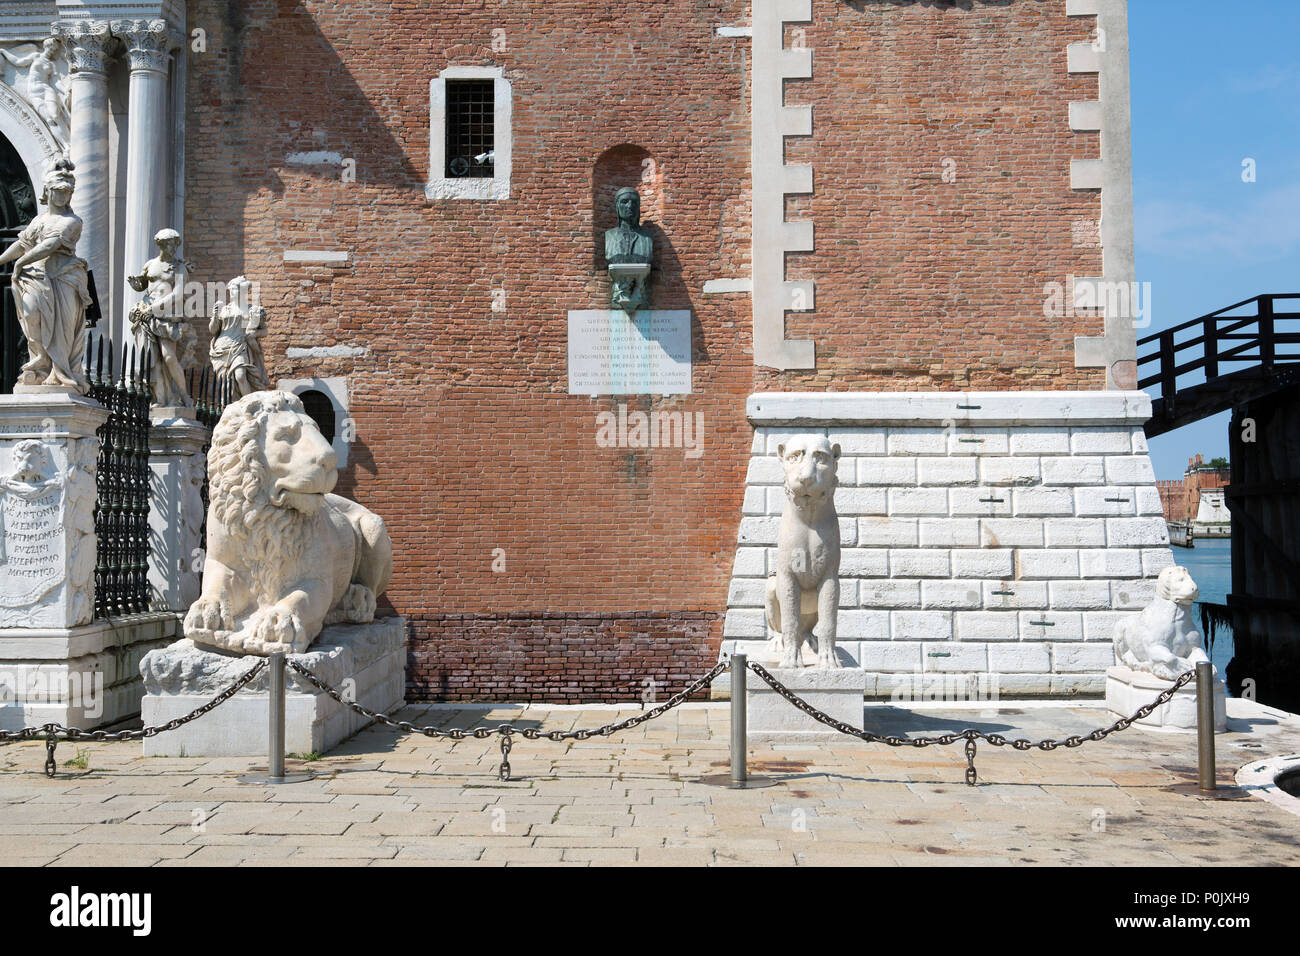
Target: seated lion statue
803, 593
285, 557
1162, 640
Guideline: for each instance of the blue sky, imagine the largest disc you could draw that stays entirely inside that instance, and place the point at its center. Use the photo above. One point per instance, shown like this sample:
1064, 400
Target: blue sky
1213, 85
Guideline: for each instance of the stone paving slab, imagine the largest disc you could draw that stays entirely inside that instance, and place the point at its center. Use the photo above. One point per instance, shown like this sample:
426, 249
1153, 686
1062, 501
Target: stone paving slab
386, 800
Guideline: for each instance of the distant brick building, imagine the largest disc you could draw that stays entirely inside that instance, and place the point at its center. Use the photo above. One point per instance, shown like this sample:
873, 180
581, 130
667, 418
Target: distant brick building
1181, 499
938, 204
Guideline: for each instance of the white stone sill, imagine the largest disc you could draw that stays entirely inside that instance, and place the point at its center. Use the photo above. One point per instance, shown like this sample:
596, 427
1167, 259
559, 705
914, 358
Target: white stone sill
939, 408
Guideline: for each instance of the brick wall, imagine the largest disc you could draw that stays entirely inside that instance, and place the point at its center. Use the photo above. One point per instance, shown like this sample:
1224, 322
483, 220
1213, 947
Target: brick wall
466, 440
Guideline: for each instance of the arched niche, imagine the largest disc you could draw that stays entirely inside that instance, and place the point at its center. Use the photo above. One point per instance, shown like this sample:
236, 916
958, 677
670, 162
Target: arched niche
619, 166
630, 165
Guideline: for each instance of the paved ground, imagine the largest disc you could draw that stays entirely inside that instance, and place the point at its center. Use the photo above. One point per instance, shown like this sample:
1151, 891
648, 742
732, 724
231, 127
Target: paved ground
384, 799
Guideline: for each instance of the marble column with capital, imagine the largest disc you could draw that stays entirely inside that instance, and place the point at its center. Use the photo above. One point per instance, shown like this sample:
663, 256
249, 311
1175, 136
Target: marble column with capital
88, 43
147, 44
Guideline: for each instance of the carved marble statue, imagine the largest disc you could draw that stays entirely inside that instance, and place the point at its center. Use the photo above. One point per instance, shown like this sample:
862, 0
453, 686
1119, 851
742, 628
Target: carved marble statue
629, 249
804, 593
285, 557
158, 321
42, 87
1162, 640
50, 288
236, 328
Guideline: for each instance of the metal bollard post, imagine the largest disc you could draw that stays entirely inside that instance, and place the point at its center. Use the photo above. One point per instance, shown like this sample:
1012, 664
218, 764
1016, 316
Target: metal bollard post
275, 753
1205, 724
739, 778
739, 737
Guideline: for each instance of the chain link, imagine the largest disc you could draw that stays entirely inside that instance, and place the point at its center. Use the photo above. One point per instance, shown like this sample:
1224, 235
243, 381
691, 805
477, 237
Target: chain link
504, 770
970, 735
506, 730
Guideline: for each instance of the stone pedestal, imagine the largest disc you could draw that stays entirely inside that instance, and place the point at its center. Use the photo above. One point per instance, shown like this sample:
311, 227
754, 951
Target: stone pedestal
177, 466
1127, 690
48, 456
772, 719
84, 677
55, 664
366, 660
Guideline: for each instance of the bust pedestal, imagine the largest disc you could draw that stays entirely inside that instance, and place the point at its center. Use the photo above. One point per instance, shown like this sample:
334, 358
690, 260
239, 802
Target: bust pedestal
1127, 690
628, 285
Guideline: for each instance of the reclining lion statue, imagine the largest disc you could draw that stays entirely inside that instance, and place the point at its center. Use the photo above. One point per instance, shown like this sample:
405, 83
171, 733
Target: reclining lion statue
285, 557
1162, 640
803, 594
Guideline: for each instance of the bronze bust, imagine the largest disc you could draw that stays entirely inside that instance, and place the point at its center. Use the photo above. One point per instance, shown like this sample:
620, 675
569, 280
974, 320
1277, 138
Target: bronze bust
629, 247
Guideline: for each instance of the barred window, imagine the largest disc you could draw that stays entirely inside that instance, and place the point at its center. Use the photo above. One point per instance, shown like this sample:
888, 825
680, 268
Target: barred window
470, 139
470, 124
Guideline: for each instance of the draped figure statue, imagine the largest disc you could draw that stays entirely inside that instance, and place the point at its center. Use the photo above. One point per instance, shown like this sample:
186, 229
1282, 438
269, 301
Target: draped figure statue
50, 288
236, 328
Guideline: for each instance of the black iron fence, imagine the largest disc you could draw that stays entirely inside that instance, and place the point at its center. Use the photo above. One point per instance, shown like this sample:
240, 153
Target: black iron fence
122, 479
211, 395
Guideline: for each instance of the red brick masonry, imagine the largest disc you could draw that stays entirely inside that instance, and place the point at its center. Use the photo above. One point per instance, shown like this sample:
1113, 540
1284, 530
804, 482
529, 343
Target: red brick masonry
618, 559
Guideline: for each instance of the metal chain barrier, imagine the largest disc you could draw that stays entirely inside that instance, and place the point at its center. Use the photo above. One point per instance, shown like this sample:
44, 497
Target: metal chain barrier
970, 735
507, 730
53, 733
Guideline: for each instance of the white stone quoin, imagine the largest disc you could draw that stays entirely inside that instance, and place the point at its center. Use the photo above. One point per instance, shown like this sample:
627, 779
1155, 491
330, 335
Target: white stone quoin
984, 533
367, 661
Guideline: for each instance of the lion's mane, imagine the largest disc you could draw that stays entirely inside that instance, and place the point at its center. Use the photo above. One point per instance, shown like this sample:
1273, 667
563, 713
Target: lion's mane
272, 537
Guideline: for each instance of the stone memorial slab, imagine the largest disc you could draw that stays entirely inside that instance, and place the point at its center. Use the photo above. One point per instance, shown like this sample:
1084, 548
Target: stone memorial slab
647, 353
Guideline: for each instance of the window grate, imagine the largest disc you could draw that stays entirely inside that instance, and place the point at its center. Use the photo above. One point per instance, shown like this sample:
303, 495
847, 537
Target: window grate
470, 121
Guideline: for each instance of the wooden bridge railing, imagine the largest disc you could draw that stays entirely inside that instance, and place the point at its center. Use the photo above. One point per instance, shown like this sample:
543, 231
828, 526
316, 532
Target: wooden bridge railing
1230, 357
1222, 340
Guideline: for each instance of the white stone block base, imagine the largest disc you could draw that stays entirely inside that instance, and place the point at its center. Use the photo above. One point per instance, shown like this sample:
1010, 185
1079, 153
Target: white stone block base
1127, 690
85, 677
773, 719
982, 533
369, 660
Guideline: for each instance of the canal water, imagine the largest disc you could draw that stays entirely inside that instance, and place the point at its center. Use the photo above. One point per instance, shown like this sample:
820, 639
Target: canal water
1210, 564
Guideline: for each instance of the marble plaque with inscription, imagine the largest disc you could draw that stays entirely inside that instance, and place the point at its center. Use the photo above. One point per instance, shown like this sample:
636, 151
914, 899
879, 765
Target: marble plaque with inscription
48, 456
33, 561
648, 353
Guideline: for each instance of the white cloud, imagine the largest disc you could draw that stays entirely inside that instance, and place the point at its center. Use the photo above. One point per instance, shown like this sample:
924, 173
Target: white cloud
1264, 226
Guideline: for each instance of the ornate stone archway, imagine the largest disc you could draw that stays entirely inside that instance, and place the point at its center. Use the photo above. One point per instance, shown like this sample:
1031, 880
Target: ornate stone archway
21, 125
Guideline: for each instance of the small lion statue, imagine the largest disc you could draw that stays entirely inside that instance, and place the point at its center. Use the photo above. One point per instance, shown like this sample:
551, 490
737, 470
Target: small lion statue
804, 592
285, 557
1161, 640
